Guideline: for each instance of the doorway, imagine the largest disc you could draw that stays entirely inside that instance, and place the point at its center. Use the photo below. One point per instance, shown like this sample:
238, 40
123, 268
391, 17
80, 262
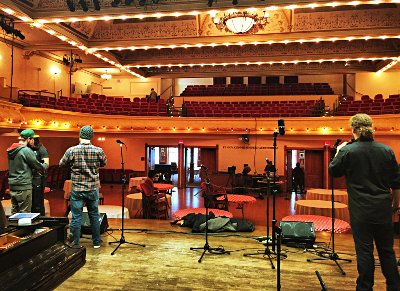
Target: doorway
164, 161
312, 163
194, 158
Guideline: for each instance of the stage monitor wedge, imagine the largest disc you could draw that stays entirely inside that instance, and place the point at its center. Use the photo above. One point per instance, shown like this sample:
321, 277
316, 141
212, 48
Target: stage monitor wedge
297, 232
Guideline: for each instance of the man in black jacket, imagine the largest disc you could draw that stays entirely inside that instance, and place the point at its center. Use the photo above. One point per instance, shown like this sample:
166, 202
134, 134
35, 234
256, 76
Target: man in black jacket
39, 178
371, 171
21, 161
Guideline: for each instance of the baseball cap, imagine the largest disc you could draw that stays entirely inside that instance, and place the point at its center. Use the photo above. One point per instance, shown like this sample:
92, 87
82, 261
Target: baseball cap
27, 133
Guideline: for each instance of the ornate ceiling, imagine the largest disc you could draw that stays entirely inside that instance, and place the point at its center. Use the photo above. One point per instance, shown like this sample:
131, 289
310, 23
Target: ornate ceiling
179, 39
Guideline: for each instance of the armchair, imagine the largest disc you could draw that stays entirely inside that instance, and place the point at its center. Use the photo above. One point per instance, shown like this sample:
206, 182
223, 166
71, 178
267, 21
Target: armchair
154, 205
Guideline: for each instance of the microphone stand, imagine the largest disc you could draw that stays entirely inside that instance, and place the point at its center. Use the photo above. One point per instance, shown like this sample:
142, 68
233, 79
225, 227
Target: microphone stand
332, 255
122, 239
267, 252
207, 248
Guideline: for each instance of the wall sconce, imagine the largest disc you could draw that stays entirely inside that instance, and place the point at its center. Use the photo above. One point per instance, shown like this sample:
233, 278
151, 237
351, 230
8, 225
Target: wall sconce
55, 71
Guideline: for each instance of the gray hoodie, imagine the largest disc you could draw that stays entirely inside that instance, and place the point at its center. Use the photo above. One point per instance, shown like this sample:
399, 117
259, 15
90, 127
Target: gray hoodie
21, 161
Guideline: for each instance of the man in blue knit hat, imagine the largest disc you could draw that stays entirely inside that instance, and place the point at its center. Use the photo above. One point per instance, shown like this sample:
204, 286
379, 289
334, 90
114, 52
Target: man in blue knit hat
84, 161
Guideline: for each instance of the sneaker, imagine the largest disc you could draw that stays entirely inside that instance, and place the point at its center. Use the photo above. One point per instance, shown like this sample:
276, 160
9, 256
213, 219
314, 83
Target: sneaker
96, 246
70, 238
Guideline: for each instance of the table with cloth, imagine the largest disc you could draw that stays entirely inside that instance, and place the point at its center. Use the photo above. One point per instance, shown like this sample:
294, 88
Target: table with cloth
240, 200
323, 208
326, 194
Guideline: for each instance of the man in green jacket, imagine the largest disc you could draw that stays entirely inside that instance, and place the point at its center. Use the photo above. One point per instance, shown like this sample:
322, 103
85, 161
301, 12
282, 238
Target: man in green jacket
21, 161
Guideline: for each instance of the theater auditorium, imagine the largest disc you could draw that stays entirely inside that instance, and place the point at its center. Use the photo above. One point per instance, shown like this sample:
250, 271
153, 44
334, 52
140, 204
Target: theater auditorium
201, 96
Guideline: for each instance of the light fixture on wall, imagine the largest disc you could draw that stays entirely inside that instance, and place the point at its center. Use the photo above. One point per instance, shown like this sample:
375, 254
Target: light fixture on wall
241, 22
106, 76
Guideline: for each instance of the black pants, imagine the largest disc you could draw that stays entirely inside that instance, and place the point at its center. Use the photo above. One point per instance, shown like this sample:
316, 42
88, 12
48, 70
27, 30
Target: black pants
364, 235
38, 195
298, 184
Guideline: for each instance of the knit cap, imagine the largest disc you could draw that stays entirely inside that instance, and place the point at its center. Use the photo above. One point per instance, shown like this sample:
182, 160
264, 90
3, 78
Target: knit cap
86, 132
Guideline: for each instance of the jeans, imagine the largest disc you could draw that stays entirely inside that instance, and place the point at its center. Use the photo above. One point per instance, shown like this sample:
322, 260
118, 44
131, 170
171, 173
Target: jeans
364, 235
91, 199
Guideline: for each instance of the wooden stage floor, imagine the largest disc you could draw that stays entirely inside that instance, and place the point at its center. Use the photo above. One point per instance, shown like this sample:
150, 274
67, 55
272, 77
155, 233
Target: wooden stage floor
167, 263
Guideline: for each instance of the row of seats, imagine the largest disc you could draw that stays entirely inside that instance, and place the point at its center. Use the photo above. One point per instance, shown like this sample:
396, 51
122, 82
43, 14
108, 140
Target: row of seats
263, 109
377, 105
107, 105
258, 89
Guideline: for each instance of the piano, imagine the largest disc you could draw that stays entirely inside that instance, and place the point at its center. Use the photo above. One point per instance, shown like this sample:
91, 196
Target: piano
35, 257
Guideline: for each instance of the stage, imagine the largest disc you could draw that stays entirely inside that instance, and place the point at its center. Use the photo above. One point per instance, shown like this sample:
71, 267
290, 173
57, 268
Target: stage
167, 263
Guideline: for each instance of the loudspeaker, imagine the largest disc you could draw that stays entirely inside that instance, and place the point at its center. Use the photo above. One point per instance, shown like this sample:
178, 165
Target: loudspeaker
298, 232
86, 226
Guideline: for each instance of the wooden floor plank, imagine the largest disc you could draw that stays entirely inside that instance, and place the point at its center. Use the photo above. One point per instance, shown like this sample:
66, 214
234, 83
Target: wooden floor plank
167, 263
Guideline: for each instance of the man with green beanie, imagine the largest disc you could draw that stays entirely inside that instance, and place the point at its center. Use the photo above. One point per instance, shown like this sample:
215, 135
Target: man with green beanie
21, 162
84, 161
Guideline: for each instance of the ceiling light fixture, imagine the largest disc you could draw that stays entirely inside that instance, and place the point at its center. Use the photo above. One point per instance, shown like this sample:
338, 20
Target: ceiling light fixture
106, 76
241, 22
7, 24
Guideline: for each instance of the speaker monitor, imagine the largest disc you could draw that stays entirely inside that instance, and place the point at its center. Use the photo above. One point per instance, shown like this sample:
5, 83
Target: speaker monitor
86, 226
298, 232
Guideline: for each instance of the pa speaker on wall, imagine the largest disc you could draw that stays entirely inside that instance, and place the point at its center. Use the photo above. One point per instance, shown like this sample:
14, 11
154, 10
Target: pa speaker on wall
298, 232
86, 227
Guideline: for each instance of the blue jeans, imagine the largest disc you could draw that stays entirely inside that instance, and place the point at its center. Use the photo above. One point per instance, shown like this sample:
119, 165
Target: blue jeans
91, 199
364, 235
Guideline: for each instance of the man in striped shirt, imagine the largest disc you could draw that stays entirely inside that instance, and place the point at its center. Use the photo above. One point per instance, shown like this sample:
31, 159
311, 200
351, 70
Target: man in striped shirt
84, 160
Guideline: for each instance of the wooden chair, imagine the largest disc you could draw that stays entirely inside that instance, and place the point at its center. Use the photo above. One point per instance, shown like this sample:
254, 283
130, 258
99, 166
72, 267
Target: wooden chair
154, 205
214, 193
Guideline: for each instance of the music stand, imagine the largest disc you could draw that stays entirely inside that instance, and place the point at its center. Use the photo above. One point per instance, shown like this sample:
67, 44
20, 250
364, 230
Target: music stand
207, 248
332, 255
123, 178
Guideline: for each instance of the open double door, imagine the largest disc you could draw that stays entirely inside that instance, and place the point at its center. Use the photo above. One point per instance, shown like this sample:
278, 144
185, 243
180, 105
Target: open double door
188, 160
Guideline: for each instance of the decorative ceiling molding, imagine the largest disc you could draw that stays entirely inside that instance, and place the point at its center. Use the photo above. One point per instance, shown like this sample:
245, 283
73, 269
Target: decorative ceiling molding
294, 51
262, 70
354, 19
107, 31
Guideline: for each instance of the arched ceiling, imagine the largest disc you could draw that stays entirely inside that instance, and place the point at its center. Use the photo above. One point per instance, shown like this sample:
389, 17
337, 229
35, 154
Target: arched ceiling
179, 39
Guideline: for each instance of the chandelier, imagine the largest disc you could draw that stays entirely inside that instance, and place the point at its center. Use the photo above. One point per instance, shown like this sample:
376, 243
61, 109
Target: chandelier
106, 76
241, 22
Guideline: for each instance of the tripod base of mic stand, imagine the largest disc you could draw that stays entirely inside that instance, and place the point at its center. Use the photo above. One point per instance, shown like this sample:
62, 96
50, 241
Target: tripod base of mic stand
214, 251
123, 241
266, 253
333, 257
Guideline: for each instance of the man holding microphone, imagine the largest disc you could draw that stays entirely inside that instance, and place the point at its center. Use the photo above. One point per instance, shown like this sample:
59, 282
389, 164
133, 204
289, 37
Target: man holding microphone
371, 171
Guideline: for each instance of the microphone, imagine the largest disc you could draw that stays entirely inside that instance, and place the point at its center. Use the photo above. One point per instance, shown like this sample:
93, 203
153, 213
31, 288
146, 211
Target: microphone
120, 142
337, 143
204, 167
